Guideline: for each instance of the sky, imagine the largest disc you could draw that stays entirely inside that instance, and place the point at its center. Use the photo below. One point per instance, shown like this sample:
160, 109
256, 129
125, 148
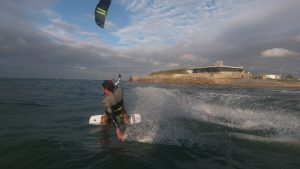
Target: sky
60, 39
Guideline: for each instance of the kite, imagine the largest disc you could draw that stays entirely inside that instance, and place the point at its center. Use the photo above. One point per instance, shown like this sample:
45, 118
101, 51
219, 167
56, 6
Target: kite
101, 12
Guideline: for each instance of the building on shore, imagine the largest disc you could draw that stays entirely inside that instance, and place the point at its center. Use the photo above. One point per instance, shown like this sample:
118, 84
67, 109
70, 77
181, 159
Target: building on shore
268, 77
221, 71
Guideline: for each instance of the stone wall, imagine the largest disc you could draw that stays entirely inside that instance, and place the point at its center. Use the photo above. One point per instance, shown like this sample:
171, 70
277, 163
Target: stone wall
207, 79
174, 79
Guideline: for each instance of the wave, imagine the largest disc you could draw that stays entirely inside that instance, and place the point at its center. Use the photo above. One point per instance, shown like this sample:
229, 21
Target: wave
170, 116
278, 139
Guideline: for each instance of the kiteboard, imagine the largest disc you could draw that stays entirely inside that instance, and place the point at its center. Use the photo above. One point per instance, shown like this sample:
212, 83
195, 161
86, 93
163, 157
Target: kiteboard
133, 118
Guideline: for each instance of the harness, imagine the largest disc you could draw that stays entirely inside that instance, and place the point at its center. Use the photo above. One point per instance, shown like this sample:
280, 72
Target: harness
118, 110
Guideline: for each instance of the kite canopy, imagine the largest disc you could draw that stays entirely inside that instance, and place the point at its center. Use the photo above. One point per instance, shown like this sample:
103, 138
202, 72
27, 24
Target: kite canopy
101, 12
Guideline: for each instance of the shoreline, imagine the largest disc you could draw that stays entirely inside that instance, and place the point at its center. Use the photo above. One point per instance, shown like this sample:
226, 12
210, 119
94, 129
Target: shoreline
182, 79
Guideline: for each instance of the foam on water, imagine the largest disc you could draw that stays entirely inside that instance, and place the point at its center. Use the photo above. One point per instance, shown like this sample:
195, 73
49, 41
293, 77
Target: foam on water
163, 111
246, 119
290, 140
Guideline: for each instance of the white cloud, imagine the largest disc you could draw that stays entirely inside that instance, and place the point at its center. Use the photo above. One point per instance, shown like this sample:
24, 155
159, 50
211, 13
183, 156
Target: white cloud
70, 34
156, 63
156, 21
89, 34
60, 30
21, 40
188, 57
80, 67
277, 53
172, 65
135, 5
50, 14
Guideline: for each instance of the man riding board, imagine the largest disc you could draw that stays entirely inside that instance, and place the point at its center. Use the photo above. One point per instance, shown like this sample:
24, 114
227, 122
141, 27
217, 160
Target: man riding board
115, 110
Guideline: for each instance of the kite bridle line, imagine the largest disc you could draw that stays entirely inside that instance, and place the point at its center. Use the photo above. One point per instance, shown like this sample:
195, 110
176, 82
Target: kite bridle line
118, 65
119, 78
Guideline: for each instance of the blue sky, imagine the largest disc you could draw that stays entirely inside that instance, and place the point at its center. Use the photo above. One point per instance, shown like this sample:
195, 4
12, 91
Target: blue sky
63, 41
82, 14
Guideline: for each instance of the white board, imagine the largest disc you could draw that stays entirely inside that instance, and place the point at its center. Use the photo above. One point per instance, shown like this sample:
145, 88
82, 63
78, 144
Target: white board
96, 119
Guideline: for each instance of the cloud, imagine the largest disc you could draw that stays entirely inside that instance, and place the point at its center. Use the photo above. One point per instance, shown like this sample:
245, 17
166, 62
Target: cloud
80, 67
277, 53
298, 38
265, 23
54, 48
172, 65
156, 21
135, 5
189, 57
159, 34
60, 30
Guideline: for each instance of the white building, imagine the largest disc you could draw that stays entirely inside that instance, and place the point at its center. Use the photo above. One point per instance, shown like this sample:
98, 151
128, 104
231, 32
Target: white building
270, 76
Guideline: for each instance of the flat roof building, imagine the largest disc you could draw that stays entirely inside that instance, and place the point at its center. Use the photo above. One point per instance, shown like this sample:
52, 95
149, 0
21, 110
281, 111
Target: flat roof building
221, 71
215, 69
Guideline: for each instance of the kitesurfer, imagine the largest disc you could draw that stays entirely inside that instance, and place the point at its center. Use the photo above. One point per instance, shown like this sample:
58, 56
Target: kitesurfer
115, 111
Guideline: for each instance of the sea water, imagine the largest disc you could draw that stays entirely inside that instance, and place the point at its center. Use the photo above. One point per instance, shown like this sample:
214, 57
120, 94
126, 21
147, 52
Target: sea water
44, 124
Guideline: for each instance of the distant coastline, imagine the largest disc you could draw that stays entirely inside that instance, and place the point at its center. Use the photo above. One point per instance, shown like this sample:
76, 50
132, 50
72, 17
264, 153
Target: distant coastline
180, 77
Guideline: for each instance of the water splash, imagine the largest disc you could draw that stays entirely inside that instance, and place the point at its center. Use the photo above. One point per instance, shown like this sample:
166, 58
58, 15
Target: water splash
171, 116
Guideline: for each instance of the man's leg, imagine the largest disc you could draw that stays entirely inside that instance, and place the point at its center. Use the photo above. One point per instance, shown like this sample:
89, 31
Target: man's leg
126, 117
120, 134
114, 121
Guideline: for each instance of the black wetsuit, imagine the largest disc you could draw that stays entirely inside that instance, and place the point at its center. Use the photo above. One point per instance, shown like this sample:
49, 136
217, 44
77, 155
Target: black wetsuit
114, 106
